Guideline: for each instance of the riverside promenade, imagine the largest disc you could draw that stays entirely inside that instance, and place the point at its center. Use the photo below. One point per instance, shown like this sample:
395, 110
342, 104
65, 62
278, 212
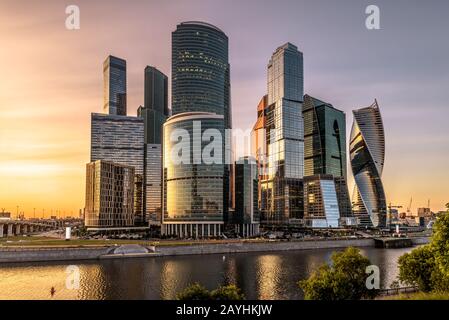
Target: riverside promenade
17, 254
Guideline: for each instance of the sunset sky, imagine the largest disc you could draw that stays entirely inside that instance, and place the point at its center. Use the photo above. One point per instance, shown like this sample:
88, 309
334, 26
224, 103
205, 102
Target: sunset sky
51, 80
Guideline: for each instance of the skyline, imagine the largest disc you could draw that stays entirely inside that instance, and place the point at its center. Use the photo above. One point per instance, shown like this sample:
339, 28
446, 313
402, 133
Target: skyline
45, 144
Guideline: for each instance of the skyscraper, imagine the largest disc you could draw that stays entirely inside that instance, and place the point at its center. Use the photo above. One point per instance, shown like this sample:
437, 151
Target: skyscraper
200, 91
109, 195
324, 138
367, 151
194, 191
114, 80
246, 215
325, 148
281, 191
200, 70
120, 139
154, 114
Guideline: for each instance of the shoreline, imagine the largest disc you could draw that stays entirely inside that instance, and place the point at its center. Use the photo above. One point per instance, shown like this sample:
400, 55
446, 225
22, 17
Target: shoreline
46, 254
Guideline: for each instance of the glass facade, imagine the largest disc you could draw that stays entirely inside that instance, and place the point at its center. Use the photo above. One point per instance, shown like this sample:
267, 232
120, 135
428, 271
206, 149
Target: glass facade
109, 195
246, 181
120, 139
324, 138
200, 70
321, 208
153, 175
114, 81
367, 152
193, 192
154, 113
325, 147
281, 189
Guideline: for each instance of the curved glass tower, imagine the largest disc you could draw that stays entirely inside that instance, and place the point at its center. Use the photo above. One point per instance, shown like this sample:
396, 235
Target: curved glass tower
367, 152
195, 200
200, 70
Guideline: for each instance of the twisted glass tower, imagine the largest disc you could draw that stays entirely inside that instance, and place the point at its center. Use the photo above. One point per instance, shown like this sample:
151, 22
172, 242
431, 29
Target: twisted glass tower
367, 152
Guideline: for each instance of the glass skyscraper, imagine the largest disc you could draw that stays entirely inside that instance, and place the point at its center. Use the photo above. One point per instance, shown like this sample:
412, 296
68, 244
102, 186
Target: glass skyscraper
324, 138
281, 190
114, 81
154, 113
325, 148
197, 196
200, 70
194, 191
246, 214
367, 151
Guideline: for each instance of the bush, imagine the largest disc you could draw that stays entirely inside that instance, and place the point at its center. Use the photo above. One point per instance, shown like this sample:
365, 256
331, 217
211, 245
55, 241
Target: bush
344, 280
428, 266
416, 268
194, 292
230, 292
198, 292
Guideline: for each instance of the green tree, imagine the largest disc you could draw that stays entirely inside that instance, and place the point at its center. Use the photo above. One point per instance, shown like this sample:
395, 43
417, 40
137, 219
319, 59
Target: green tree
440, 243
198, 292
416, 268
194, 292
345, 279
428, 266
230, 292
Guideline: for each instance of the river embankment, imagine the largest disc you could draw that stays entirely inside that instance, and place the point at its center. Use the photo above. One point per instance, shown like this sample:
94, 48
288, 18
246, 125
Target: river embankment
40, 254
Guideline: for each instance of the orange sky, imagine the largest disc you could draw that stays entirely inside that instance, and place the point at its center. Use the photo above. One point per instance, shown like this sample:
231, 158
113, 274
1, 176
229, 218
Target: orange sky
51, 80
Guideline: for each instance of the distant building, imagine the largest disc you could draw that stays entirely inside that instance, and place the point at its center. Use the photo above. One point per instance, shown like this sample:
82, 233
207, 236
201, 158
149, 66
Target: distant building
321, 208
120, 139
5, 215
246, 215
154, 113
114, 80
424, 212
367, 151
109, 195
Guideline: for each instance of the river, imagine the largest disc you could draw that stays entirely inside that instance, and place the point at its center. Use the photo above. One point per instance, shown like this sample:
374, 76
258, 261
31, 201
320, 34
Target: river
261, 275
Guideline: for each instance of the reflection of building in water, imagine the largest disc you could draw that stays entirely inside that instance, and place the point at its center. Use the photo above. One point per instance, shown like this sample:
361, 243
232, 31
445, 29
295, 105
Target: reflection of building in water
267, 277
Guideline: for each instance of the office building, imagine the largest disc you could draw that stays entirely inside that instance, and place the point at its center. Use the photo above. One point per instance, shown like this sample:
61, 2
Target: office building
200, 70
200, 92
367, 153
109, 196
281, 190
246, 215
325, 149
324, 138
321, 209
194, 194
120, 139
154, 113
114, 81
